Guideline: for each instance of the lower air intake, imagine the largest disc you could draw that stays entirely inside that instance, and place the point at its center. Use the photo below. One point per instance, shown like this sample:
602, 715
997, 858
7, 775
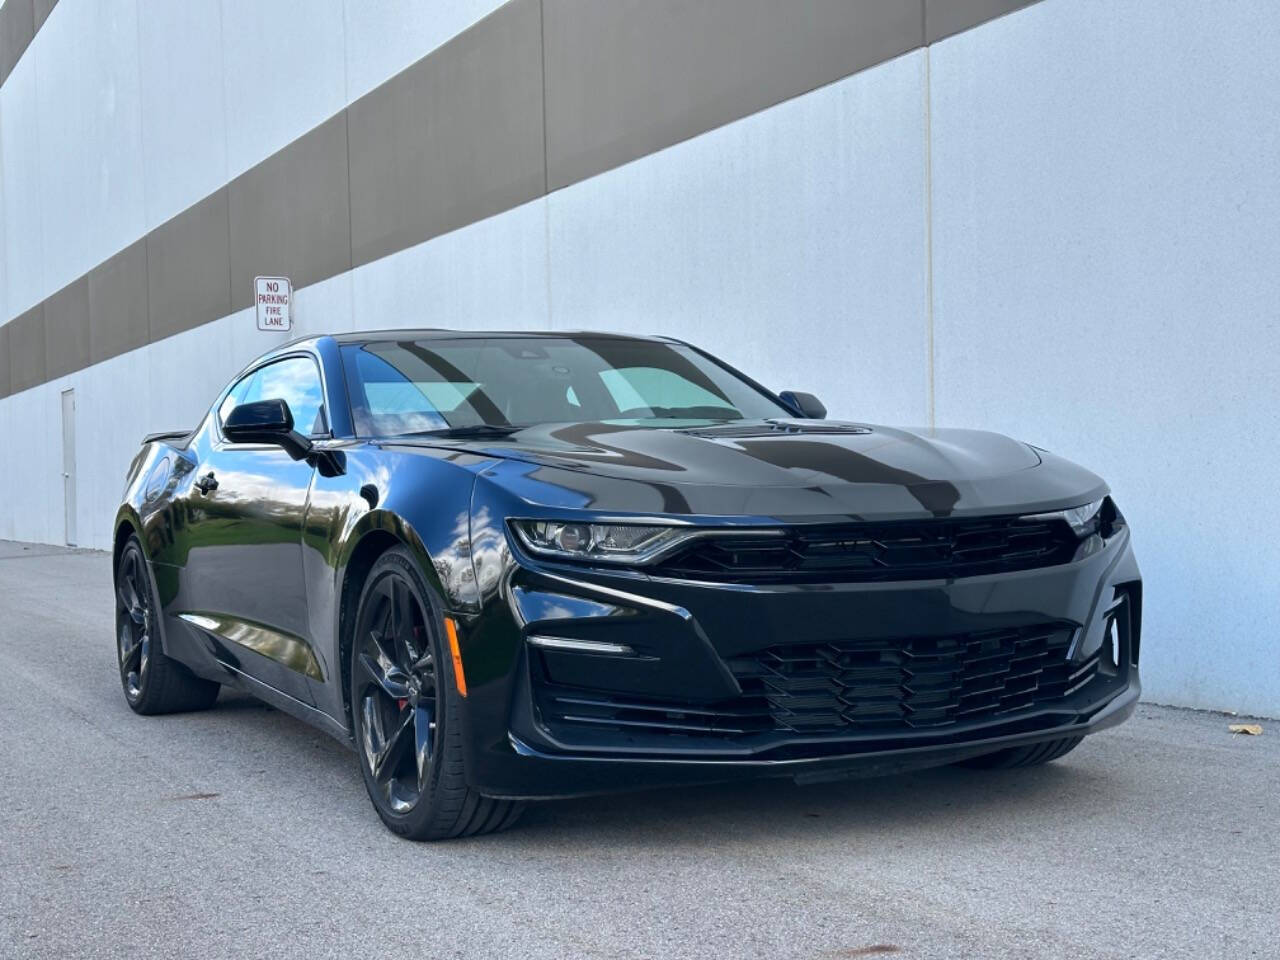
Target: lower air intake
853, 687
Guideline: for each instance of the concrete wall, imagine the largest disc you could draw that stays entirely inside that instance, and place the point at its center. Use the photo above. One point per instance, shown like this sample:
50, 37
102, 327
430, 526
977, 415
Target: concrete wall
122, 114
1059, 224
1105, 205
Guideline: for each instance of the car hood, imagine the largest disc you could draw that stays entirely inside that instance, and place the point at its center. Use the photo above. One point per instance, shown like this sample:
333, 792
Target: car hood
777, 468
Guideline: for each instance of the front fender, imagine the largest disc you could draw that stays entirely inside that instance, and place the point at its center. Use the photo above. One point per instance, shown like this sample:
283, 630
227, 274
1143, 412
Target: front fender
420, 499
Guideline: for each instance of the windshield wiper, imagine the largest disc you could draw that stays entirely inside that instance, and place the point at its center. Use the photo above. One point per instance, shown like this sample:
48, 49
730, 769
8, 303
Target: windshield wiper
480, 430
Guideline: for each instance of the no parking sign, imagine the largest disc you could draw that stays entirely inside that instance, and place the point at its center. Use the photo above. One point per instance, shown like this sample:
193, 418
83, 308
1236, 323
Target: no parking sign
273, 297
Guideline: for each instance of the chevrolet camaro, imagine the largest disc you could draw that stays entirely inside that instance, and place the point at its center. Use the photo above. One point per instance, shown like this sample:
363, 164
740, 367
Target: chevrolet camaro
512, 566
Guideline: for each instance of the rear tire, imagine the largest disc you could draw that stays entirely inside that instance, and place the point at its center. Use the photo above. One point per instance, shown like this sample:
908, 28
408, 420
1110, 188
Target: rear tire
153, 683
406, 711
1032, 755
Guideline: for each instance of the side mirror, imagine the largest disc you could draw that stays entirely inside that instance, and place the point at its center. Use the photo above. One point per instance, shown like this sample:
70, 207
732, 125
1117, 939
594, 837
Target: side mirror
266, 421
805, 404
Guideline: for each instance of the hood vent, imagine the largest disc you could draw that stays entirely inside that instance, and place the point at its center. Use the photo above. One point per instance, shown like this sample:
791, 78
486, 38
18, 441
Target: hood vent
768, 428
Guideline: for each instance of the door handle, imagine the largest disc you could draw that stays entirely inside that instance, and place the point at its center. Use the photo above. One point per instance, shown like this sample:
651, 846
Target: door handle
207, 482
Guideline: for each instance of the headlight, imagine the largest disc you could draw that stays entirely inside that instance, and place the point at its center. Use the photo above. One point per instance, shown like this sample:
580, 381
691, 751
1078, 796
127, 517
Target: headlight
1100, 516
607, 542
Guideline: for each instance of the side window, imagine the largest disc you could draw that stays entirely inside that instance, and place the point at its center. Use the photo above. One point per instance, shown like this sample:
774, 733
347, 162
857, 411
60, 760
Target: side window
296, 381
234, 397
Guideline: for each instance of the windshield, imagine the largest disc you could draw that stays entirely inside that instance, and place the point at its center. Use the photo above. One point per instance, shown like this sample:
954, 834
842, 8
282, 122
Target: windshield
414, 386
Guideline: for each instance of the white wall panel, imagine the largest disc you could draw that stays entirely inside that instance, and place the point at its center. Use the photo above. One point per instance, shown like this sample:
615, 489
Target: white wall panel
90, 138
113, 406
323, 307
1105, 206
30, 421
4, 259
491, 274
790, 242
20, 142
385, 36
187, 370
9, 489
284, 69
184, 134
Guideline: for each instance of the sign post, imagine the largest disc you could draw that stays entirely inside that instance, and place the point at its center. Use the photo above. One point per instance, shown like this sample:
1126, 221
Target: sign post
273, 297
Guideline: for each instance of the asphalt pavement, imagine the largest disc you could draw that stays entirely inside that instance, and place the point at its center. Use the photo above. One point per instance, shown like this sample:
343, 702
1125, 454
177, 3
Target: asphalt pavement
242, 832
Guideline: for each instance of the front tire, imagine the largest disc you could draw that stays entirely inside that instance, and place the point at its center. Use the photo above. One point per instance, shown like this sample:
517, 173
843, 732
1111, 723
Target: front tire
153, 683
405, 711
1033, 755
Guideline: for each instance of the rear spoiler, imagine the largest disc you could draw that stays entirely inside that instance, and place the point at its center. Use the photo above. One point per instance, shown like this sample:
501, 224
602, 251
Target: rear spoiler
168, 436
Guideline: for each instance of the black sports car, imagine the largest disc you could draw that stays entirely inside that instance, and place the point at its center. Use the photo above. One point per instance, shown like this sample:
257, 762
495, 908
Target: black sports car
508, 566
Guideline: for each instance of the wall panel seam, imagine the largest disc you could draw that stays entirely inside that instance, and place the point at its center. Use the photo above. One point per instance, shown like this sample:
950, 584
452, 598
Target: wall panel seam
542, 50
931, 383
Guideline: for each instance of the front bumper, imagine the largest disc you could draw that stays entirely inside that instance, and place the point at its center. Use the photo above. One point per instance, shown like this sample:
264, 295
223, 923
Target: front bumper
686, 635
541, 775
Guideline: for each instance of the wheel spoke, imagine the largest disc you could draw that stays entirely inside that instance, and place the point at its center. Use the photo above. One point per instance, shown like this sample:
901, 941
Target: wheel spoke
403, 620
383, 637
383, 652
370, 729
129, 656
144, 655
397, 617
390, 753
387, 676
129, 600
424, 729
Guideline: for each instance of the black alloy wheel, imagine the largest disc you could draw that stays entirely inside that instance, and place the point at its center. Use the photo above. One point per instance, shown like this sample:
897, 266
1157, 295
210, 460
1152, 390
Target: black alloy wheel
405, 706
134, 620
397, 693
152, 682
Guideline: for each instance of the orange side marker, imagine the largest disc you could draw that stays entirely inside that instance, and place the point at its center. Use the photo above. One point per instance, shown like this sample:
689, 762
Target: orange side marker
459, 678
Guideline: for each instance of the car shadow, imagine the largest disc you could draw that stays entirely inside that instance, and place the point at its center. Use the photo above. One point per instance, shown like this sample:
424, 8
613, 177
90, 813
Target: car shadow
779, 807
708, 815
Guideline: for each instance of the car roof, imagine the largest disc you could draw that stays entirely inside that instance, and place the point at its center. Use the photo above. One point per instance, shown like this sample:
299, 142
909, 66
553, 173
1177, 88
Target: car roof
440, 333
312, 341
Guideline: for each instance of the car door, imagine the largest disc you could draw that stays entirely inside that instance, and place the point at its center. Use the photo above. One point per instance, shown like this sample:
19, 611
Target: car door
243, 578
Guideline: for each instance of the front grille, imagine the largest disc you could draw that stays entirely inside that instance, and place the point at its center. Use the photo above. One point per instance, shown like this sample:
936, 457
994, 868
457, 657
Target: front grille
856, 687
896, 550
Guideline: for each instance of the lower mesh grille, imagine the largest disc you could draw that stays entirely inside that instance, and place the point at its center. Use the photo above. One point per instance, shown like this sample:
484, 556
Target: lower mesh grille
857, 687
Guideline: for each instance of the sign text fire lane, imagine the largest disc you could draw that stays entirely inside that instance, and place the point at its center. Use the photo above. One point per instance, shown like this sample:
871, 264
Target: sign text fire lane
273, 297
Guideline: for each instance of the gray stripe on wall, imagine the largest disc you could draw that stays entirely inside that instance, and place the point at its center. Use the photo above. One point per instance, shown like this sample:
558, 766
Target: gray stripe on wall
17, 27
66, 322
5, 360
462, 135
942, 18
26, 349
41, 11
188, 268
118, 304
290, 216
629, 77
455, 138
20, 21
